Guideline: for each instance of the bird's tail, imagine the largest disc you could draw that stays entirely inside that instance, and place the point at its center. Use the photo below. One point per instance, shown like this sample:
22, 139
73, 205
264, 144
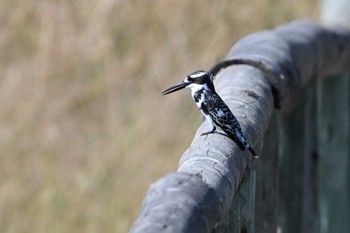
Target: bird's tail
244, 141
252, 151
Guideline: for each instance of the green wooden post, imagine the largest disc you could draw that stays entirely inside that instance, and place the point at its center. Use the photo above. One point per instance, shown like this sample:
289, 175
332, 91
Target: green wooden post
240, 218
299, 167
266, 203
310, 210
333, 127
291, 170
334, 134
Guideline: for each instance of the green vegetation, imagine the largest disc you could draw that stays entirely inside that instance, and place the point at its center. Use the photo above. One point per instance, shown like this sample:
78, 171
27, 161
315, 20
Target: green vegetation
83, 127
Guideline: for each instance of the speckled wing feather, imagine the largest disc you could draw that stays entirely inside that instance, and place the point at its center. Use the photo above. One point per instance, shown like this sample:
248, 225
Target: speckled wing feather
223, 117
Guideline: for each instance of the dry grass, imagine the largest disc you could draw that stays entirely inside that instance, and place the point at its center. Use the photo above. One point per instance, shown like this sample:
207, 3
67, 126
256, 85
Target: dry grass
83, 127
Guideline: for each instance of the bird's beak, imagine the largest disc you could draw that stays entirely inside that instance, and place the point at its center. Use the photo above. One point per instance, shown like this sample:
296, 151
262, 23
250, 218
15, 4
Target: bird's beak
174, 88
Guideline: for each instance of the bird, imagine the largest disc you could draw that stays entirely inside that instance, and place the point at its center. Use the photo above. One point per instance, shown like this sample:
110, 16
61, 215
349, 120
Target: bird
213, 108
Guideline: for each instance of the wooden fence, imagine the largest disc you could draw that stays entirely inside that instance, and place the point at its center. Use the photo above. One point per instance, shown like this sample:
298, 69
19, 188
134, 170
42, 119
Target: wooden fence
275, 81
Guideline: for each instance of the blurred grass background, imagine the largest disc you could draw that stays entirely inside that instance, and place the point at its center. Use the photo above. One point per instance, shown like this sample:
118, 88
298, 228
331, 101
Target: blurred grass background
84, 129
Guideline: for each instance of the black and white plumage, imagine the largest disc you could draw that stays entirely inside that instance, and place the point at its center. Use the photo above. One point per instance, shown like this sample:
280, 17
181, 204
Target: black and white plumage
213, 107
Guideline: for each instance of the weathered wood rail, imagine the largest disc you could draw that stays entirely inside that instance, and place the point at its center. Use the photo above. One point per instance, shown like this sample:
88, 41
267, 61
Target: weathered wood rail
262, 72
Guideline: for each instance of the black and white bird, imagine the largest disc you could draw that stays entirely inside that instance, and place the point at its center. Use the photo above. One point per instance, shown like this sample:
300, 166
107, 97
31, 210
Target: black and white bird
213, 107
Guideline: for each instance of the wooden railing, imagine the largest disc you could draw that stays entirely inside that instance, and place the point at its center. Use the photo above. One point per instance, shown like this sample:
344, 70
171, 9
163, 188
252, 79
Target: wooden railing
274, 81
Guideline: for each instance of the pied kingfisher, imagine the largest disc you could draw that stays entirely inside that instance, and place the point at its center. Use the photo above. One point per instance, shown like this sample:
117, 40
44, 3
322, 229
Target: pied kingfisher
213, 107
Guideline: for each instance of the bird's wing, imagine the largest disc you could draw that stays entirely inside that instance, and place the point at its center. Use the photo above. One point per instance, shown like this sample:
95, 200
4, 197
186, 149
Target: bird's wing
223, 117
219, 111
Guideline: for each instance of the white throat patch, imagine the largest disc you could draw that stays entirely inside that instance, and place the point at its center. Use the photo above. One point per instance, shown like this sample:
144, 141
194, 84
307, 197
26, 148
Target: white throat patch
196, 87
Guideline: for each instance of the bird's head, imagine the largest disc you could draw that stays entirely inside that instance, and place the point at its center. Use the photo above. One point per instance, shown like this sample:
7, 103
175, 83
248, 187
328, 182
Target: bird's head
197, 80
